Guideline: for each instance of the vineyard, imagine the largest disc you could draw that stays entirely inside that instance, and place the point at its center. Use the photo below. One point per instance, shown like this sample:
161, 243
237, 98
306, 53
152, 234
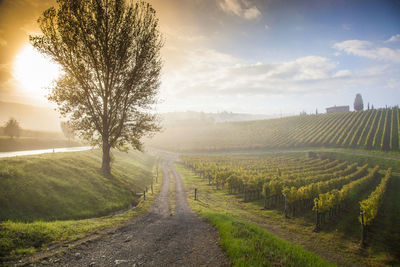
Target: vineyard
376, 129
299, 186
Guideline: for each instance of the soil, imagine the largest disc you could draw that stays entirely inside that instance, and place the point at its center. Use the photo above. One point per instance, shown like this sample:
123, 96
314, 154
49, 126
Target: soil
156, 239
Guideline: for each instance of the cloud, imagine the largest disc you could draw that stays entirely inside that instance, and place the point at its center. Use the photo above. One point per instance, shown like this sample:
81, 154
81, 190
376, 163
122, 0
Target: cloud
240, 8
342, 73
207, 72
368, 50
394, 38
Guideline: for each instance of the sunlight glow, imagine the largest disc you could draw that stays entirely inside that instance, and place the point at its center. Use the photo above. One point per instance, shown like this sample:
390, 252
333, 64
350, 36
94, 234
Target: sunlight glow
34, 72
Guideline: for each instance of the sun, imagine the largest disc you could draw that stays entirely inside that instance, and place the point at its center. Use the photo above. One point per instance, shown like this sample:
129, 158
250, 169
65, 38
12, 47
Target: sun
34, 72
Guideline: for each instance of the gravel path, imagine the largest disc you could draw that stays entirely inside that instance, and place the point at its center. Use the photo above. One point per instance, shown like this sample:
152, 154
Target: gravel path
157, 239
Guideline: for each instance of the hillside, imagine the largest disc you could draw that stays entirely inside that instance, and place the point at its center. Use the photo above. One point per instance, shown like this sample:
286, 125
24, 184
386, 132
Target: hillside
376, 129
69, 185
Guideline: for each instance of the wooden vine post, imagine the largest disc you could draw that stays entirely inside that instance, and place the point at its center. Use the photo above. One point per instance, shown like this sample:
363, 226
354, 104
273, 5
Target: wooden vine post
363, 230
195, 194
157, 175
317, 226
286, 207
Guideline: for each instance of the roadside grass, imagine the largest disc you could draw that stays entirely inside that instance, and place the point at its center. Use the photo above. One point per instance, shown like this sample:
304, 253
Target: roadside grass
31, 143
18, 238
242, 227
249, 245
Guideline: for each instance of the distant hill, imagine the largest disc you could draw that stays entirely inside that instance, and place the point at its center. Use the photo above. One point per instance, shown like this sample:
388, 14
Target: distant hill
371, 129
30, 117
193, 117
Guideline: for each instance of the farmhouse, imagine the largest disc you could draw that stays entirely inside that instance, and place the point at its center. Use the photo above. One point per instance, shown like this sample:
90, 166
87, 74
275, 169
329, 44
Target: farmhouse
337, 109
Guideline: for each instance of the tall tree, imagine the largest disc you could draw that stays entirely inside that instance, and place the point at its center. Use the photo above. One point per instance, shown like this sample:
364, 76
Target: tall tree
358, 103
67, 130
12, 128
109, 51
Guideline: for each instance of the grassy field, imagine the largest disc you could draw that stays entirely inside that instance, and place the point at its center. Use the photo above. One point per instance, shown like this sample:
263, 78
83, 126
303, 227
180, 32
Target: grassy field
44, 199
31, 143
338, 242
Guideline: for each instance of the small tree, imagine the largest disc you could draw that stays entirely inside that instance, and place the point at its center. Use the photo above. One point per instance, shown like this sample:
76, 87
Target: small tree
12, 128
67, 130
109, 51
358, 103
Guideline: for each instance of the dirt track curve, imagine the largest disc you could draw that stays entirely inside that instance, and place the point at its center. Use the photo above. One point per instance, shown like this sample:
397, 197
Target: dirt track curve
156, 239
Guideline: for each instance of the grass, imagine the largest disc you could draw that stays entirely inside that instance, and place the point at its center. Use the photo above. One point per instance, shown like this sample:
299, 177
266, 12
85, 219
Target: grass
65, 186
246, 243
131, 172
338, 242
31, 143
249, 245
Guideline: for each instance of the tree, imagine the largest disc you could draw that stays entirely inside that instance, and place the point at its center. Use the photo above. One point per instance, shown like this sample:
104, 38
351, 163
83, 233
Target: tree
67, 130
109, 51
12, 128
358, 103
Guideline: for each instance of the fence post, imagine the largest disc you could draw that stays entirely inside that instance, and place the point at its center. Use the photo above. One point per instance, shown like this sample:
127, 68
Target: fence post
195, 194
157, 175
144, 195
316, 217
151, 187
286, 208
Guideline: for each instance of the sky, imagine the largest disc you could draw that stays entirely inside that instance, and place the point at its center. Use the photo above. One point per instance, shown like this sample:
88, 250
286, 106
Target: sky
260, 57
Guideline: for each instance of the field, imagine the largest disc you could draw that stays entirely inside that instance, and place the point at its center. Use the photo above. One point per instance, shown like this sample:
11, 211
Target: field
279, 194
376, 129
61, 197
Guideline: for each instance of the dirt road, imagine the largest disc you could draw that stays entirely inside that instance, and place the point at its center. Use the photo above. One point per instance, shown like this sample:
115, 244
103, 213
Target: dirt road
157, 239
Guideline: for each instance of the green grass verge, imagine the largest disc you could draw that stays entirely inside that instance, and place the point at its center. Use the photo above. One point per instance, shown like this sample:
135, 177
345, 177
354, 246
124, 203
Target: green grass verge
249, 245
245, 243
18, 238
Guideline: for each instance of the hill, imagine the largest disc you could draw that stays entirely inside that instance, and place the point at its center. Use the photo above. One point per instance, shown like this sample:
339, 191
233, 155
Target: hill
376, 129
65, 186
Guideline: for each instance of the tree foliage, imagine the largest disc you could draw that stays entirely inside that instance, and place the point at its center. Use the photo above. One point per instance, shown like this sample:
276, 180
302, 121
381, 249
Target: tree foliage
358, 103
67, 130
109, 51
12, 128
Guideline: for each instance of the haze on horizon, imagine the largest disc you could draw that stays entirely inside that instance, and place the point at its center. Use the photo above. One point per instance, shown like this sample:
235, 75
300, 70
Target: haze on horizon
261, 57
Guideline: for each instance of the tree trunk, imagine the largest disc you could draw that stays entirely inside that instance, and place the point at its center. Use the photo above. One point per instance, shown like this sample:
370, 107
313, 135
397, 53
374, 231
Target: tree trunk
106, 159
